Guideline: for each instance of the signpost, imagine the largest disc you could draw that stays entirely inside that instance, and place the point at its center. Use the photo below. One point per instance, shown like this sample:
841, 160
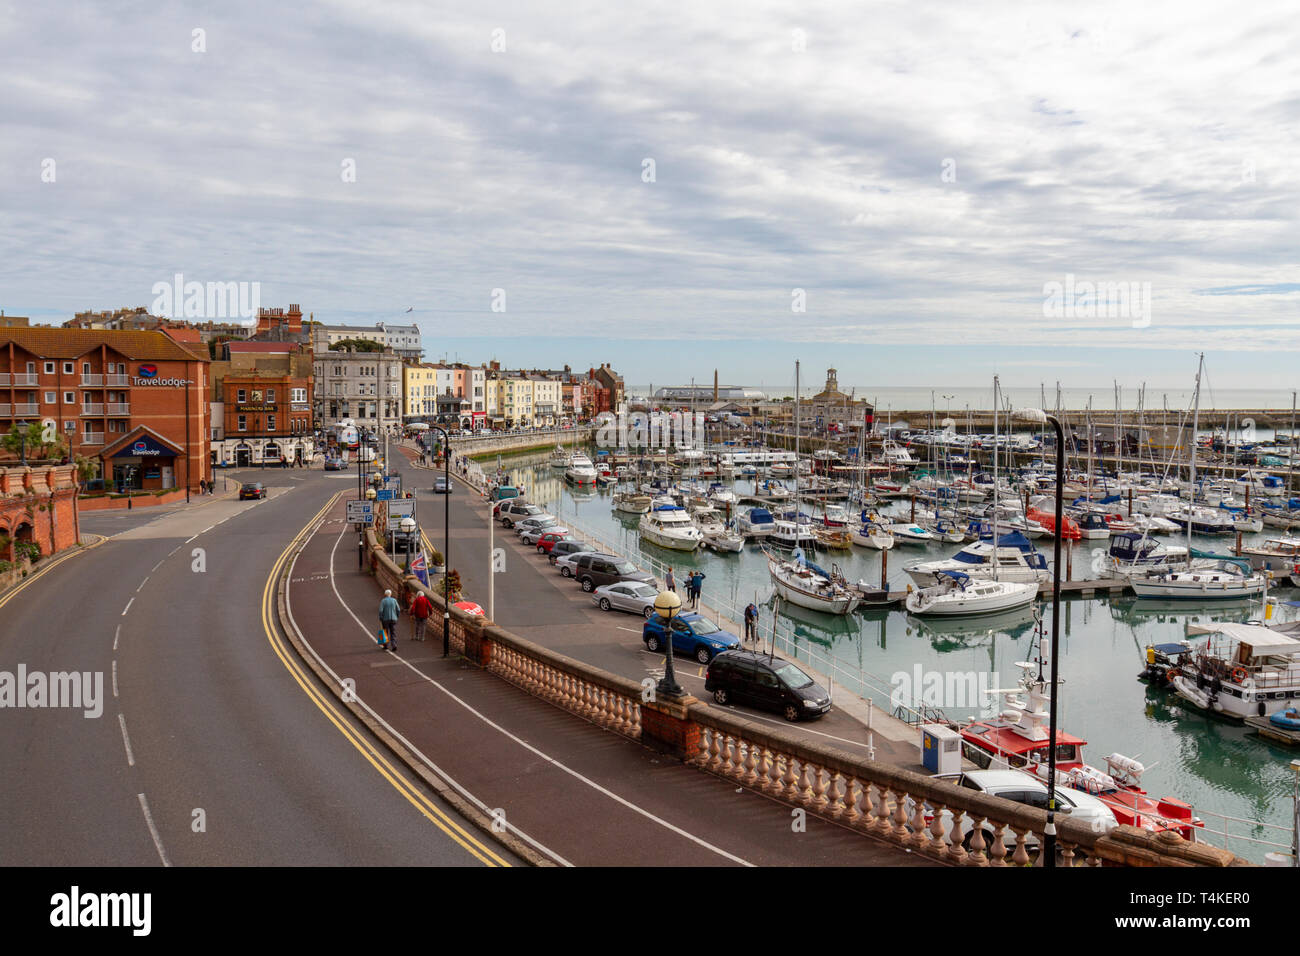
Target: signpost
361, 512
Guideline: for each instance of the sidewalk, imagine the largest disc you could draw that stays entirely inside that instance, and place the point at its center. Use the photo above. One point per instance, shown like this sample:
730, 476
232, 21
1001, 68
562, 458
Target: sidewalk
578, 794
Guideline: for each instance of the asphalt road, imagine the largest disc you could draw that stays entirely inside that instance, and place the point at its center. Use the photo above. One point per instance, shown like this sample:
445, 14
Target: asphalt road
211, 748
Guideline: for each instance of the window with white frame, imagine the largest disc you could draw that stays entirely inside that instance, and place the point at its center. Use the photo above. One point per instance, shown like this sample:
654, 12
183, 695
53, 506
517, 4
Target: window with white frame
243, 423
68, 367
49, 368
51, 398
69, 398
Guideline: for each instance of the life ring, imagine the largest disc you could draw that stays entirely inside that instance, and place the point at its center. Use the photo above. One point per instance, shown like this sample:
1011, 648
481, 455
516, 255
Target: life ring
1239, 675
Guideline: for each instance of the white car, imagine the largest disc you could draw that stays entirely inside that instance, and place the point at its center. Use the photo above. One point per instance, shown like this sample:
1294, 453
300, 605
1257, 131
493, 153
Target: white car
635, 596
542, 522
530, 535
1020, 787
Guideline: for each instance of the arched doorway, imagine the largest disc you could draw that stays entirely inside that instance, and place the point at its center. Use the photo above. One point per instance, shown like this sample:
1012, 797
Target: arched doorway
243, 455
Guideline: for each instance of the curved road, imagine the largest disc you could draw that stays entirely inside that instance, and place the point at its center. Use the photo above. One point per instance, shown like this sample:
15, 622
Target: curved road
213, 747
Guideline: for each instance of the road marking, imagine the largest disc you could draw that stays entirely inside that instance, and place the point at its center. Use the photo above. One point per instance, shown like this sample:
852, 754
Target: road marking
397, 778
142, 584
116, 634
153, 830
529, 747
630, 630
114, 677
130, 757
128, 606
188, 540
157, 566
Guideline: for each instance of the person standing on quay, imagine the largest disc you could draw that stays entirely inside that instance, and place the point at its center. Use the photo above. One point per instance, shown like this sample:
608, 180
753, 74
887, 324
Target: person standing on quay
670, 582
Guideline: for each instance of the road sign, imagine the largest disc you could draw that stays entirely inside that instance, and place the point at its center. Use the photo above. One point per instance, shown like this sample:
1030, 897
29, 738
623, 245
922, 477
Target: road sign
384, 494
400, 508
361, 512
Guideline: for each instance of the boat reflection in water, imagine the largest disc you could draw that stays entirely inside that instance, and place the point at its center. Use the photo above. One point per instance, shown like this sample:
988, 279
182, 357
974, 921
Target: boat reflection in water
1146, 610
948, 634
801, 624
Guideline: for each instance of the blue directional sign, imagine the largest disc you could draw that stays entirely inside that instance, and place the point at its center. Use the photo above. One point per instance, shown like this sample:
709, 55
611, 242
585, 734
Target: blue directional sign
384, 494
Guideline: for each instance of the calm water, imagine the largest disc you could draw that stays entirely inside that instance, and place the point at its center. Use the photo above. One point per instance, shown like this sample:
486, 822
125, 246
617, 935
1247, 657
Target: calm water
1217, 766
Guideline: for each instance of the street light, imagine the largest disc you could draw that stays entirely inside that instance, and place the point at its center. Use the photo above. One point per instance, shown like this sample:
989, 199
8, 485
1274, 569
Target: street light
1038, 416
667, 606
446, 541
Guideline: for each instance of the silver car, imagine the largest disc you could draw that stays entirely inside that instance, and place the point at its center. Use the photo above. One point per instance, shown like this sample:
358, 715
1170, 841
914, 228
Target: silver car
631, 596
536, 524
530, 535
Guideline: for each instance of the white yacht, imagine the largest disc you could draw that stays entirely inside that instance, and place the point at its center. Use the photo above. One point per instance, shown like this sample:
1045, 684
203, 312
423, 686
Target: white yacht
803, 583
756, 523
1135, 553
1275, 554
906, 533
1013, 559
958, 594
1216, 581
559, 457
580, 470
791, 534
669, 526
631, 503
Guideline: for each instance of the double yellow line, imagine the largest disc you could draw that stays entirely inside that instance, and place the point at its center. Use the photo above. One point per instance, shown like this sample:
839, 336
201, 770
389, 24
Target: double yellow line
372, 754
50, 565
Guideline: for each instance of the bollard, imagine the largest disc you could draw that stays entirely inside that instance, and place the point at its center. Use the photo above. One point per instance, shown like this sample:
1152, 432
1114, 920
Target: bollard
1069, 559
884, 570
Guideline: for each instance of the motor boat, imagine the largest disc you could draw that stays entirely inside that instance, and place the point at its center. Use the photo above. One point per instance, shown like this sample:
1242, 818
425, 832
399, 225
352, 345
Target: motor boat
787, 533
958, 593
727, 542
755, 523
1131, 553
669, 526
833, 539
559, 457
1241, 670
631, 503
580, 470
906, 533
1275, 554
803, 583
1013, 558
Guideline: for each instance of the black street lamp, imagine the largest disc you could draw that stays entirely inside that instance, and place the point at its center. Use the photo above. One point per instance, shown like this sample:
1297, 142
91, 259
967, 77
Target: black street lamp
22, 442
446, 540
1049, 834
667, 606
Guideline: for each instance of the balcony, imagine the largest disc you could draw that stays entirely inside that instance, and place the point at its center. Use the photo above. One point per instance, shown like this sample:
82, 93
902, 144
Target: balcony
117, 381
92, 438
92, 408
26, 409
92, 381
24, 379
119, 408
6, 410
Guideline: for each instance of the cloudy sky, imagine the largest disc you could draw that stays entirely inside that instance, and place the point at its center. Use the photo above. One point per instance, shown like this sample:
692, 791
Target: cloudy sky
678, 187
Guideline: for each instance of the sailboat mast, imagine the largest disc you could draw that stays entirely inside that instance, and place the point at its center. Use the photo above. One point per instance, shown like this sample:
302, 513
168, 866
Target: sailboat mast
1196, 419
995, 477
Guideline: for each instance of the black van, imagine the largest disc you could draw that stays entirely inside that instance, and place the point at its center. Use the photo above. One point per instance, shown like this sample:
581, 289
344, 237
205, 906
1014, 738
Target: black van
598, 569
768, 683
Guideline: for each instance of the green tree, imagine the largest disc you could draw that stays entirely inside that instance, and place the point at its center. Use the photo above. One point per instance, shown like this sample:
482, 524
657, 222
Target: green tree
356, 345
33, 437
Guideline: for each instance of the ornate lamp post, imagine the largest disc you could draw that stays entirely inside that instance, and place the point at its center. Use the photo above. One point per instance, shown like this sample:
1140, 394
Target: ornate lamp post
668, 605
446, 541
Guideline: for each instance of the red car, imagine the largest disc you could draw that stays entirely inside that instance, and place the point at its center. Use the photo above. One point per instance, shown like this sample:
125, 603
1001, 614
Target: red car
547, 541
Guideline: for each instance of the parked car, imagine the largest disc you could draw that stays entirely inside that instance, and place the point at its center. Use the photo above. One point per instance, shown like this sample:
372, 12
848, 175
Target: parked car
634, 596
549, 538
441, 485
514, 511
538, 523
534, 535
564, 552
768, 683
597, 569
252, 489
335, 464
1020, 787
402, 542
694, 635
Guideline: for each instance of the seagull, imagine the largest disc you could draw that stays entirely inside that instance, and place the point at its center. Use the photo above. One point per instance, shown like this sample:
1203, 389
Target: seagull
411, 309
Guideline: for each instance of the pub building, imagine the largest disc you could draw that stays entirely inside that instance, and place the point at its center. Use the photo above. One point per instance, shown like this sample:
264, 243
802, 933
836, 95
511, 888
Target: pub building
268, 420
133, 401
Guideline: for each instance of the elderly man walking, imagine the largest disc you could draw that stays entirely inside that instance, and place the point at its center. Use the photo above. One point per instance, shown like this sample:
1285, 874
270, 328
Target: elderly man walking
389, 612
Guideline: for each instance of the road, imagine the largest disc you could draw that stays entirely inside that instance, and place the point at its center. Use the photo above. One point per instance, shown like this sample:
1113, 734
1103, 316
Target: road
213, 746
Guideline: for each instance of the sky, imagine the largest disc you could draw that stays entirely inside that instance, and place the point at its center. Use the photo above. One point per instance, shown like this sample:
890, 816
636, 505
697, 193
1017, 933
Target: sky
918, 194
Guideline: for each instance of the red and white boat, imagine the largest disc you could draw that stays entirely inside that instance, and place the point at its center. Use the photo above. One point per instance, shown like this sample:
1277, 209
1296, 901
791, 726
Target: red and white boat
1018, 739
1047, 518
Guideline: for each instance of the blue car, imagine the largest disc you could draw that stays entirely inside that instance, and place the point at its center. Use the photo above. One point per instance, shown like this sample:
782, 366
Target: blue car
694, 635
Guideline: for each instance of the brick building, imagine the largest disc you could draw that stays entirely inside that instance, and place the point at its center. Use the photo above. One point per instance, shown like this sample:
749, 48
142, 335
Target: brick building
134, 401
261, 404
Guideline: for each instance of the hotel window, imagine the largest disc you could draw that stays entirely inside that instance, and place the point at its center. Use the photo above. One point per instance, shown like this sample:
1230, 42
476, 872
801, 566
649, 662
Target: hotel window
69, 427
69, 398
270, 423
116, 425
51, 398
243, 423
67, 368
49, 368
85, 368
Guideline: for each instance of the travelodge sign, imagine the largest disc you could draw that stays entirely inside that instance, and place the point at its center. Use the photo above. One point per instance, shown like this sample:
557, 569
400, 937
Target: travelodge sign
144, 447
147, 374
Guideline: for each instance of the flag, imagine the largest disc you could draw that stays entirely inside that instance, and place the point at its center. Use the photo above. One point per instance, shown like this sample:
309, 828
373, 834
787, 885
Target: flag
420, 568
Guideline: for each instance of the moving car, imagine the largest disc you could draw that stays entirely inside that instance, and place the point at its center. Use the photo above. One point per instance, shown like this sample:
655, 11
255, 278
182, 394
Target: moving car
335, 464
441, 485
252, 489
597, 569
765, 682
694, 635
563, 553
635, 596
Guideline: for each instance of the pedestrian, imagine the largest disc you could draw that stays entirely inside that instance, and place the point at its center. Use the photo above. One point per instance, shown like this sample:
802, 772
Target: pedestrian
421, 608
389, 612
751, 622
670, 582
697, 584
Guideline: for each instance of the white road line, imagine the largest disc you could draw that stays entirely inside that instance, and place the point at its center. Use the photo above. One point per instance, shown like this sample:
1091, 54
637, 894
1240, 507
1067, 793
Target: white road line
116, 635
115, 678
206, 530
128, 606
142, 584
631, 630
529, 747
130, 757
153, 830
158, 565
188, 540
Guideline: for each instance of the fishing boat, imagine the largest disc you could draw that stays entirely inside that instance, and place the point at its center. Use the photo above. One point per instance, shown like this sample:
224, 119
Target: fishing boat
958, 593
1241, 670
669, 526
801, 582
1013, 558
1018, 738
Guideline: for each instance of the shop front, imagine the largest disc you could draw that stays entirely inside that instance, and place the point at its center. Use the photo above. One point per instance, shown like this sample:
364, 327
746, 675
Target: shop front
142, 461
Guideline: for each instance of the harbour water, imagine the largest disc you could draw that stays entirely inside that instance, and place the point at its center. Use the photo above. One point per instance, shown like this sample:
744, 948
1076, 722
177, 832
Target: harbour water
1221, 768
